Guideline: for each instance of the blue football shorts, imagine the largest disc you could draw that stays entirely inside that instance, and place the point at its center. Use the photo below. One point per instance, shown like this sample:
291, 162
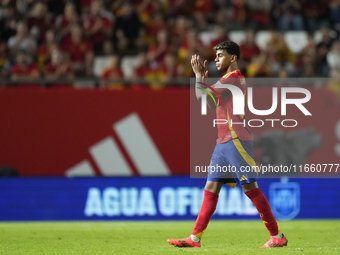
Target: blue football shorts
233, 162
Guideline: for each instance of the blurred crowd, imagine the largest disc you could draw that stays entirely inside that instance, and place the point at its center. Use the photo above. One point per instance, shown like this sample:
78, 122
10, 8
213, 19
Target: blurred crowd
131, 43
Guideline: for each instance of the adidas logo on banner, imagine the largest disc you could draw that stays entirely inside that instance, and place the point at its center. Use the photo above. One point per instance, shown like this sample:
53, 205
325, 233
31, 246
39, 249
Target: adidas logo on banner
110, 160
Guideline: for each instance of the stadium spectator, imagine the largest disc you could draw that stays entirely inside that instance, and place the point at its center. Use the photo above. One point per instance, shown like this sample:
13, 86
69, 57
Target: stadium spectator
80, 51
249, 49
284, 78
98, 25
168, 71
310, 44
289, 15
40, 21
283, 73
141, 71
158, 50
221, 18
23, 7
121, 44
107, 48
85, 6
334, 9
56, 7
141, 41
22, 40
179, 30
45, 49
240, 13
22, 70
8, 21
203, 13
259, 67
59, 67
155, 24
189, 46
3, 58
145, 9
65, 21
279, 54
128, 29
307, 68
315, 13
112, 76
260, 13
220, 36
205, 6
201, 22
177, 8
102, 61
322, 49
333, 60
327, 40
162, 77
116, 7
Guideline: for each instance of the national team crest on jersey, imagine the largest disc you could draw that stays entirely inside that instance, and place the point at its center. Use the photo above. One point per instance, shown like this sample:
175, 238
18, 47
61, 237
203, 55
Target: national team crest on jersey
284, 199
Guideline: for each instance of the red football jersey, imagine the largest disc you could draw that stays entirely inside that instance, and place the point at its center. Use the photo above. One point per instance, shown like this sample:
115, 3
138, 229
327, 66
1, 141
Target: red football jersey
249, 51
112, 73
99, 36
77, 51
29, 71
236, 126
52, 69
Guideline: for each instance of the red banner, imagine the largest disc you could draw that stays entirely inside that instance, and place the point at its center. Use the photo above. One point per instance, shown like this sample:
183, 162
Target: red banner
47, 132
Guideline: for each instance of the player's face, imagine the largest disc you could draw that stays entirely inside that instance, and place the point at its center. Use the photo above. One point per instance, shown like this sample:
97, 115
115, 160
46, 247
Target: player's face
223, 60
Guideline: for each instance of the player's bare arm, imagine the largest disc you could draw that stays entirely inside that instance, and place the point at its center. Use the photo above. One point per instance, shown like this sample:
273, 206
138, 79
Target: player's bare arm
201, 75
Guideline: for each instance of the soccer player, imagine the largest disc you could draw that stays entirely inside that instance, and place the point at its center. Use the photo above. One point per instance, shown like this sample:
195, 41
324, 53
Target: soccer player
234, 148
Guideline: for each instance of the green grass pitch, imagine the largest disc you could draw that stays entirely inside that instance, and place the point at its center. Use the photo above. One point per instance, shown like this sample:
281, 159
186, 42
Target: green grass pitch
149, 237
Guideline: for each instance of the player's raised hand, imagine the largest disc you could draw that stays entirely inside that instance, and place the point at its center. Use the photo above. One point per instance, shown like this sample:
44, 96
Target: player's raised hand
198, 68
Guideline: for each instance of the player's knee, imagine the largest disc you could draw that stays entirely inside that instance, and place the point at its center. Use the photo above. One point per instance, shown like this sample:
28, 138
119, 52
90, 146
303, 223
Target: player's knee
213, 187
249, 186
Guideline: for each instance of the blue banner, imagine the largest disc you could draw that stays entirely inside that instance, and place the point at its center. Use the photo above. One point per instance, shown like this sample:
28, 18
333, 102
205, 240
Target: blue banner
159, 198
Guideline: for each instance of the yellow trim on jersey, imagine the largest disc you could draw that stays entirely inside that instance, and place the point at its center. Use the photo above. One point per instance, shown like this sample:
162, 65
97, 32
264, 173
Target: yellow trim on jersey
228, 74
231, 184
245, 154
232, 132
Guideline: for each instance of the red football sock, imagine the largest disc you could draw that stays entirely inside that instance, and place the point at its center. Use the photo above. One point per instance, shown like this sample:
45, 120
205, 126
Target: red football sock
262, 205
207, 210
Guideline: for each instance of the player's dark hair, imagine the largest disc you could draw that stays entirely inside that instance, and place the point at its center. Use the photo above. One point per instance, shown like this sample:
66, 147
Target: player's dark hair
231, 47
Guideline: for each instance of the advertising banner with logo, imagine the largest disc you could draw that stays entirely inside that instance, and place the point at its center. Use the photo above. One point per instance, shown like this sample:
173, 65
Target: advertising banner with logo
159, 198
95, 132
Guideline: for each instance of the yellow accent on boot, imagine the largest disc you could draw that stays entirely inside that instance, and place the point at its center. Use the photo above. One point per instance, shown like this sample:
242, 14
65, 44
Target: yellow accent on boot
199, 235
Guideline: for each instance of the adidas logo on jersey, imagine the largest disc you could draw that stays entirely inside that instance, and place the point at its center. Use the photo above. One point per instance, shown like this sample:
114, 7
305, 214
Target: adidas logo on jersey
243, 178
